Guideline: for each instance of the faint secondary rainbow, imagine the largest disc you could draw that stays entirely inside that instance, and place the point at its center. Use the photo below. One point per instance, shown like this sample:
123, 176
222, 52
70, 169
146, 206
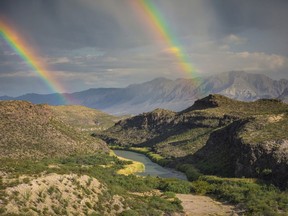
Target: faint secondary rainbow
152, 16
29, 56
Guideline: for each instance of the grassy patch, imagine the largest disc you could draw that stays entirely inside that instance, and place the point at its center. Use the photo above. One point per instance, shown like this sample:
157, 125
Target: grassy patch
131, 167
255, 198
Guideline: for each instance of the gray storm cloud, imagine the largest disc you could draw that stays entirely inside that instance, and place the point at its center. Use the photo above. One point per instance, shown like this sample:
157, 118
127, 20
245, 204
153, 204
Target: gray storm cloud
88, 43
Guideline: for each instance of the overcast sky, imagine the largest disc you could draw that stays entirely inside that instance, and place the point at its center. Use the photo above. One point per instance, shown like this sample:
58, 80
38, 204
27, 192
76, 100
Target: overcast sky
106, 43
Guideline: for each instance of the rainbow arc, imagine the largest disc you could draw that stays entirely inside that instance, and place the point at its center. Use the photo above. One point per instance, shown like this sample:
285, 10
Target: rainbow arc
15, 41
152, 16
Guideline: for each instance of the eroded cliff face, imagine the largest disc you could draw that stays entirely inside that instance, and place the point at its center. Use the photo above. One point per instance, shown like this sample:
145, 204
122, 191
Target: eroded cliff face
262, 145
229, 153
268, 160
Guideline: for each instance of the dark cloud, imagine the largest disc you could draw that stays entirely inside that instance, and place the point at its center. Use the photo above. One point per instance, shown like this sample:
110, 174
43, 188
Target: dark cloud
113, 24
65, 24
260, 14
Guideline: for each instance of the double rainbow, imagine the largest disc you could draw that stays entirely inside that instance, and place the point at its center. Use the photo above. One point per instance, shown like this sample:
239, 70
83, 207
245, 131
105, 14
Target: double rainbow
148, 12
152, 16
15, 41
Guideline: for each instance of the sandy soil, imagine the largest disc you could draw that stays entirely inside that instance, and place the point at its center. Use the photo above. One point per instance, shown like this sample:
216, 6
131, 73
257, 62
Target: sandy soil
275, 118
55, 194
195, 205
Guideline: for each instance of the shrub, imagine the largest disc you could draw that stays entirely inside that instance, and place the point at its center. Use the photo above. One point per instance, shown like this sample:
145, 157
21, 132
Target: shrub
129, 212
116, 207
169, 194
191, 172
175, 185
201, 187
256, 198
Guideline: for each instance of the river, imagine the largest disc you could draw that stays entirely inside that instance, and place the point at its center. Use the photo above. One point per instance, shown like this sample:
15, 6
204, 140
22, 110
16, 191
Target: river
151, 168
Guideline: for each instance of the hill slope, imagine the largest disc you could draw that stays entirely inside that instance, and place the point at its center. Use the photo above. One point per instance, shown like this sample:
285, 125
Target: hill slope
168, 94
28, 130
217, 135
84, 118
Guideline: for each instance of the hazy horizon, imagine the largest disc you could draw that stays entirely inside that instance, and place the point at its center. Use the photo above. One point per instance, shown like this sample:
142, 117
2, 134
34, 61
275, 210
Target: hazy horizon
139, 82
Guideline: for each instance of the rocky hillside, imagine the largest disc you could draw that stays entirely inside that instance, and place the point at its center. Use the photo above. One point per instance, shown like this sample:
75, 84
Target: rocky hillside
36, 131
217, 135
169, 94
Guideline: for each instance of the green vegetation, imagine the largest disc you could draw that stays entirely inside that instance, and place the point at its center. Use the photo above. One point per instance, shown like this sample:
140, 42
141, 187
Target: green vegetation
101, 167
175, 185
190, 171
255, 198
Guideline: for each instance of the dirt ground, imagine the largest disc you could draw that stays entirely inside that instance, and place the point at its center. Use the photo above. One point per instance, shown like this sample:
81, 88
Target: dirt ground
195, 205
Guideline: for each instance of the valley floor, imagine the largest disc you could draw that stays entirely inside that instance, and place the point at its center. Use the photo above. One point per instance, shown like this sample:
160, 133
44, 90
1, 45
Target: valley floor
196, 205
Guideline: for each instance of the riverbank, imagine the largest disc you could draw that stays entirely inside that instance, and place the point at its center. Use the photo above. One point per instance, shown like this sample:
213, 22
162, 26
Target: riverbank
157, 158
188, 169
134, 167
151, 168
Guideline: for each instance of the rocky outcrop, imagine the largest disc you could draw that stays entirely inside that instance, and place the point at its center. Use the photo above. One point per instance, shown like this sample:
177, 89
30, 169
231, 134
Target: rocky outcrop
154, 120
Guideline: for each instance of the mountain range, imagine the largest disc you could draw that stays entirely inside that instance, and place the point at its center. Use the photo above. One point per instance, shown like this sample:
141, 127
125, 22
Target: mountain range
164, 93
